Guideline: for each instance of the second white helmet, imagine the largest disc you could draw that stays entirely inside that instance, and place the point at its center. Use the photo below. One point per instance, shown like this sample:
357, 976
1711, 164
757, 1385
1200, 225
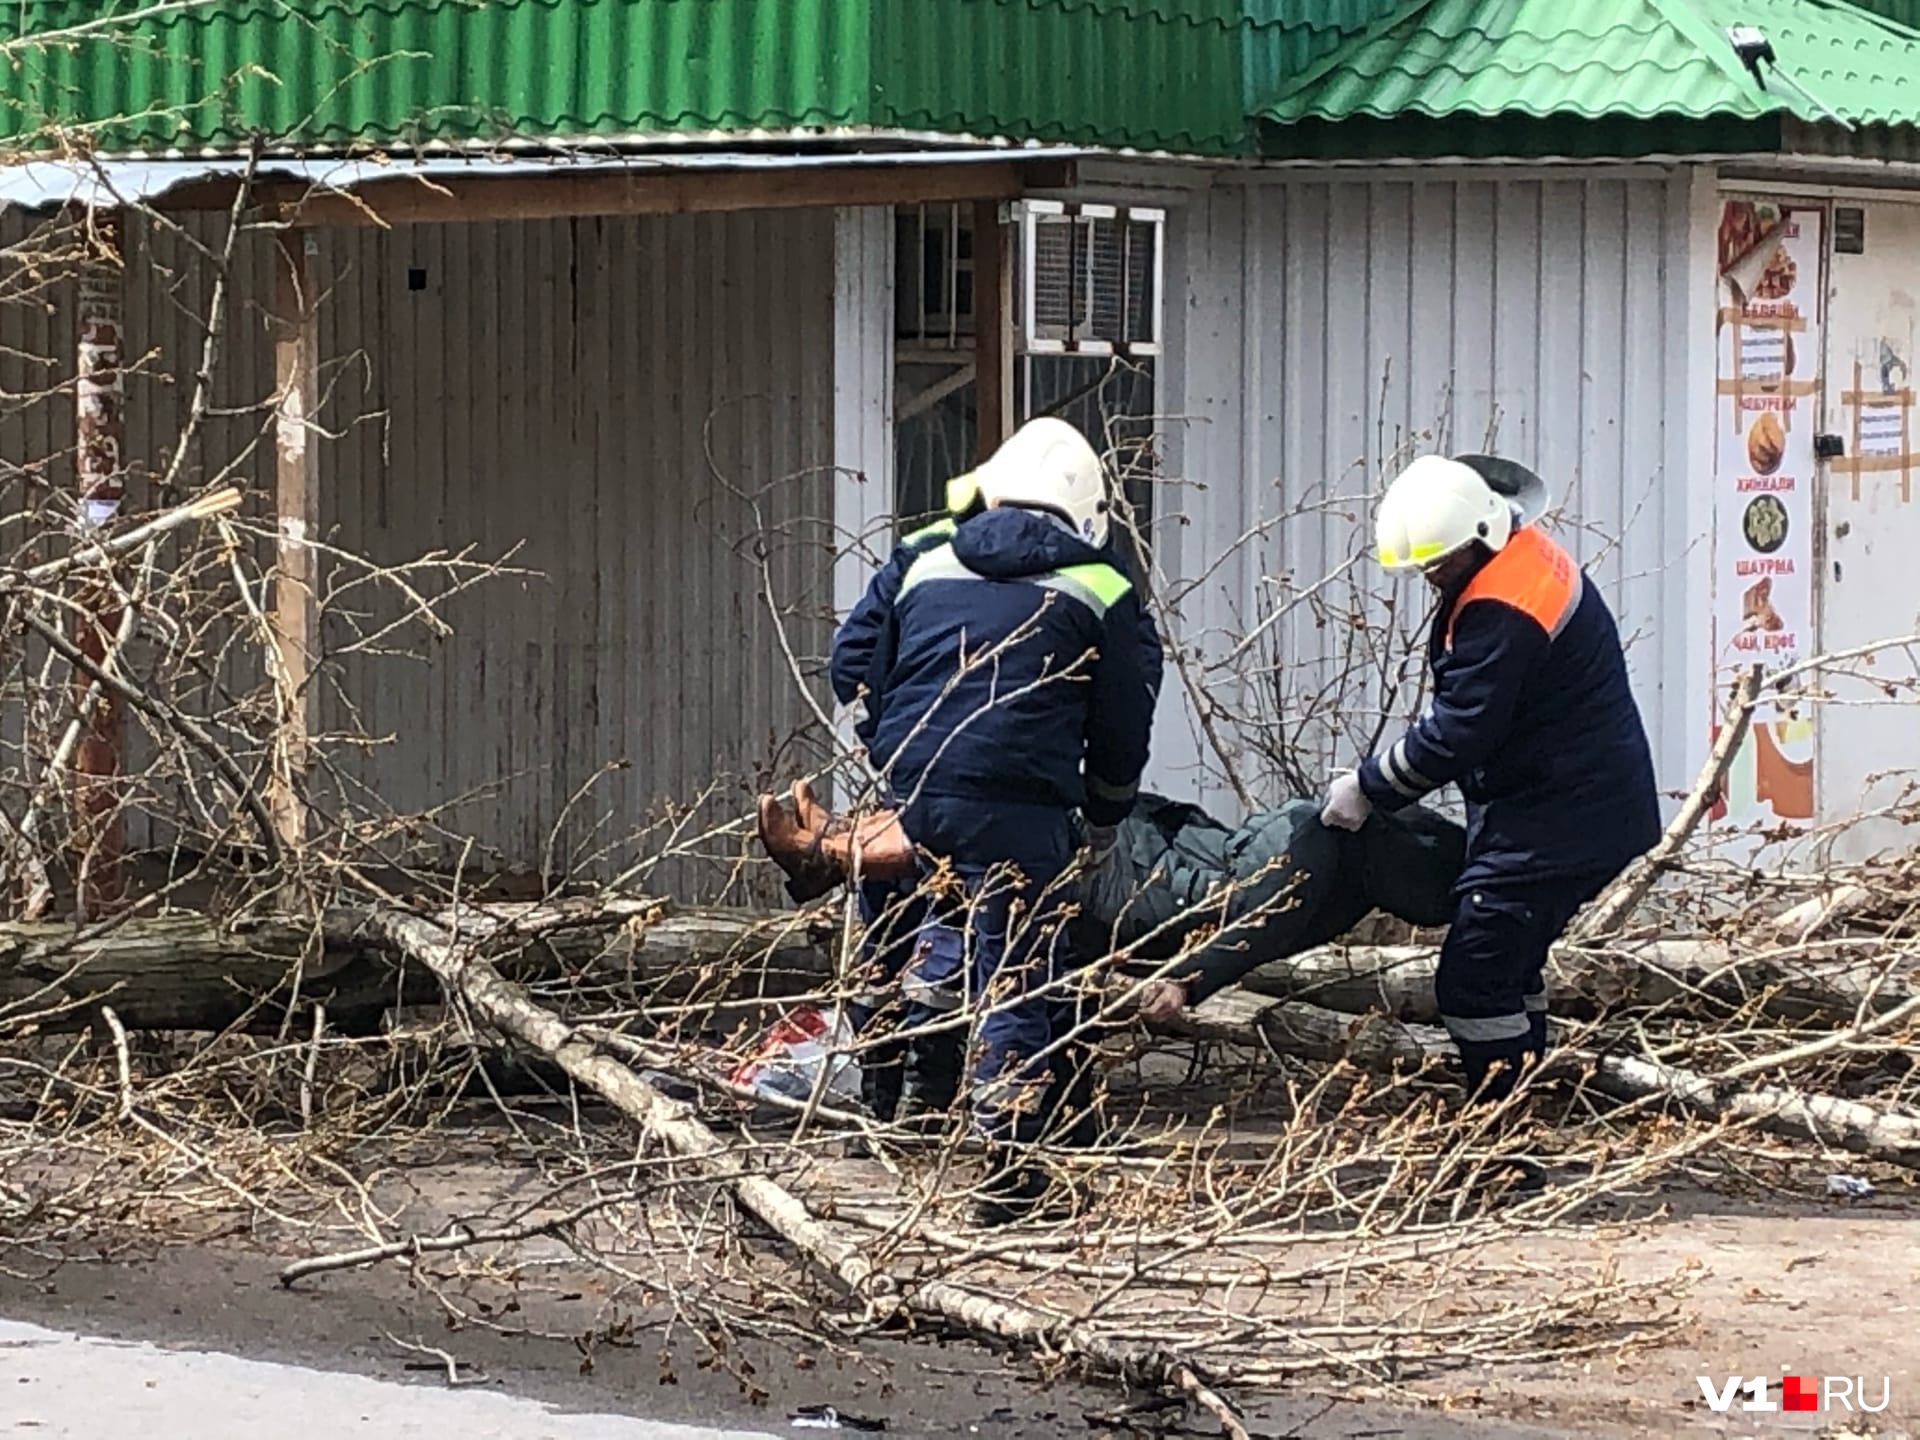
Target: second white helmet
1048, 465
1437, 506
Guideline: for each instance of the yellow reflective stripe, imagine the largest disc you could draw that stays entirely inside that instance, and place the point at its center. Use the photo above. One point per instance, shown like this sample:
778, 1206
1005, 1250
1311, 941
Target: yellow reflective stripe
1106, 583
938, 530
962, 491
1096, 586
939, 563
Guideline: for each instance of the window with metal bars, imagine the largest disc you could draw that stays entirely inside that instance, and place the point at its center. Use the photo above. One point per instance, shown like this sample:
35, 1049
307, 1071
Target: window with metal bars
1087, 281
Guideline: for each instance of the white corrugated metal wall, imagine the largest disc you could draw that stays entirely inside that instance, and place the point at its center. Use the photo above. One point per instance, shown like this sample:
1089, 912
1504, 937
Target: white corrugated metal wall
1321, 326
639, 412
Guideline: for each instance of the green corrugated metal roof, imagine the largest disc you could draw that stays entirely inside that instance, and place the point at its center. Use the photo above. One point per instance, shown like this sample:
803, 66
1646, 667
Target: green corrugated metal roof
1285, 37
1151, 74
1611, 60
1147, 74
401, 71
1174, 75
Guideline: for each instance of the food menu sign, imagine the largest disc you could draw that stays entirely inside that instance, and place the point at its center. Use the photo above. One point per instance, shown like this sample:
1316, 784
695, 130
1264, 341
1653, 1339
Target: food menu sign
1768, 372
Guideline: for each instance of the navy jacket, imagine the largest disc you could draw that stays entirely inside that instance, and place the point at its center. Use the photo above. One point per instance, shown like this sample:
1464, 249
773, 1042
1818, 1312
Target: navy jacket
1052, 704
858, 637
1534, 719
859, 634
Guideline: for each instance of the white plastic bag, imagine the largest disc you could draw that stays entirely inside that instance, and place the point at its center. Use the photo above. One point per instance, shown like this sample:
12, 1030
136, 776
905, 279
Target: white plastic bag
787, 1062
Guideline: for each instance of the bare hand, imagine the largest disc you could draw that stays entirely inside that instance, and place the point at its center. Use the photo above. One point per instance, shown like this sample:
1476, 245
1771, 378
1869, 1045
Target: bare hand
1162, 1000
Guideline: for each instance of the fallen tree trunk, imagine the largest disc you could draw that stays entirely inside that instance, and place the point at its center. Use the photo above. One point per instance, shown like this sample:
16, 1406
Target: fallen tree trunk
1828, 981
191, 972
508, 1009
1377, 1043
1810, 915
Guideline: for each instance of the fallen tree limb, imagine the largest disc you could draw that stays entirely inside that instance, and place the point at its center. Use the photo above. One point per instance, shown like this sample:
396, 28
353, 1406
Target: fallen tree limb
1378, 1044
1827, 1120
504, 1006
192, 972
1829, 981
458, 1237
1810, 915
188, 972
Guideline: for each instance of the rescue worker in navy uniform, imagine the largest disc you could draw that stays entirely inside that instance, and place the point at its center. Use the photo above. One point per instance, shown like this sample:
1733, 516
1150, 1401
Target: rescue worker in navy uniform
1532, 716
1010, 690
892, 911
916, 1078
859, 634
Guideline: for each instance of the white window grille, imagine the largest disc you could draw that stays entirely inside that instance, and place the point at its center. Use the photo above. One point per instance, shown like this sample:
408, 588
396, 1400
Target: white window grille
1090, 278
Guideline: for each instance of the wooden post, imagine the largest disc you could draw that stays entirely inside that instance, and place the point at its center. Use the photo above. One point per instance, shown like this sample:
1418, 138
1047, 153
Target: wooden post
992, 327
100, 440
296, 363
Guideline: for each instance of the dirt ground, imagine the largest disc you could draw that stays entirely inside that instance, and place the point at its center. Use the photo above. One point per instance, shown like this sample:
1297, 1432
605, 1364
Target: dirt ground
1809, 1287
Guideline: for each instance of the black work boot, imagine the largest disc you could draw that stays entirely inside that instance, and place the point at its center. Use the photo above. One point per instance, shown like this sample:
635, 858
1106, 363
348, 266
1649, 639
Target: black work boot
1069, 1114
1508, 1174
880, 1076
932, 1081
881, 1080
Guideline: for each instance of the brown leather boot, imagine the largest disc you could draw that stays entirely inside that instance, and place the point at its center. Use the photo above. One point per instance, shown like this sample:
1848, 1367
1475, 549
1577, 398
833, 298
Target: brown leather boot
876, 842
796, 849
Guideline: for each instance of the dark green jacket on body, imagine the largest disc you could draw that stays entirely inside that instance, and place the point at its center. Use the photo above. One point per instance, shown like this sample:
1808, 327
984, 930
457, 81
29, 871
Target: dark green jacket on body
1276, 886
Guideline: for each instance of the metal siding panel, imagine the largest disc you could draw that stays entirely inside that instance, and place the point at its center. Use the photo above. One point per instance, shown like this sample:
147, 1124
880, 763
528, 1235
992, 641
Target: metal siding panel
581, 364
1652, 564
1198, 520
1560, 312
1599, 359
1433, 281
1475, 233
1390, 292
1525, 299
169, 298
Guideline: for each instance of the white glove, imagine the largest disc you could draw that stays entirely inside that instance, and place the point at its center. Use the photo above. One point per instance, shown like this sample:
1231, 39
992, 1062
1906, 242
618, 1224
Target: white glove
1347, 805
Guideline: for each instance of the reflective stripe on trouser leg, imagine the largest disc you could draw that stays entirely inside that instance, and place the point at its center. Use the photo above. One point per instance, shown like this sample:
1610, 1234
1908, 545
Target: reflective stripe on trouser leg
935, 978
1488, 965
1486, 1029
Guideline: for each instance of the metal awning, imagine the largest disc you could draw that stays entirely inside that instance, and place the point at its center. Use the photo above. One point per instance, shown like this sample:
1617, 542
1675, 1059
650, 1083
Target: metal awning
45, 184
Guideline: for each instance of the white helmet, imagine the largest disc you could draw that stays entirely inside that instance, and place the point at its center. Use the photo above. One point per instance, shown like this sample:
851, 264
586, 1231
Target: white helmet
1048, 465
1434, 507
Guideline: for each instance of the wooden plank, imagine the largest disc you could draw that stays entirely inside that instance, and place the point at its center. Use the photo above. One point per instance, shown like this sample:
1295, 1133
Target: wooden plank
558, 193
296, 362
992, 327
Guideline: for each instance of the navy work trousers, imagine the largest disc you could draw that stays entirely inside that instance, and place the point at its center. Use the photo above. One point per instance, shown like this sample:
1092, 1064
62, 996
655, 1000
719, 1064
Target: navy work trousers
1491, 983
1005, 934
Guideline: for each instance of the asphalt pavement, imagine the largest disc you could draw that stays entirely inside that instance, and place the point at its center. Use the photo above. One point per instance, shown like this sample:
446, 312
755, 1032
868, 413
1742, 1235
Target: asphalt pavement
66, 1385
